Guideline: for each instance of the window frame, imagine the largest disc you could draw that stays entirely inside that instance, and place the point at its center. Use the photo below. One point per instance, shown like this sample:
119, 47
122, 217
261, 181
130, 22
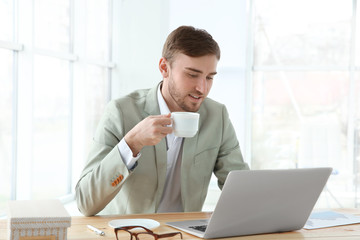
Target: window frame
24, 51
351, 68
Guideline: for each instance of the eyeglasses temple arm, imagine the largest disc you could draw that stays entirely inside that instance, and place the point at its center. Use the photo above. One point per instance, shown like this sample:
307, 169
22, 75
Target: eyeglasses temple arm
169, 235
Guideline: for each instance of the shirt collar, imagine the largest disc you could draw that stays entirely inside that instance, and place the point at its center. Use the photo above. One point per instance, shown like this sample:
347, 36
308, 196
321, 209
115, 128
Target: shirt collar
164, 109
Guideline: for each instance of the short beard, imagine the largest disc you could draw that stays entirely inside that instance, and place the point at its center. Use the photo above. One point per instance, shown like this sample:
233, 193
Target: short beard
177, 98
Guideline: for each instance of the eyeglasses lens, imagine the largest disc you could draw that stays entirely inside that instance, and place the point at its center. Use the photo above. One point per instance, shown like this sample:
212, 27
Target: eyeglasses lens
145, 236
124, 235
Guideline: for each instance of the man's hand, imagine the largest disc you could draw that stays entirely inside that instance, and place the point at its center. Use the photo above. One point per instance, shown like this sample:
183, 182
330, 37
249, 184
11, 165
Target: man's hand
148, 132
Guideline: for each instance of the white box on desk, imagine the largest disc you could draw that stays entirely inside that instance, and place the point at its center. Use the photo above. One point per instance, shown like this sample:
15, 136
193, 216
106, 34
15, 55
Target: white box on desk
38, 220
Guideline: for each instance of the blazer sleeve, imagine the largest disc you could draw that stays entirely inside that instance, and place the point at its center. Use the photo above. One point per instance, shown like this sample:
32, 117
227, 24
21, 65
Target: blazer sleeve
229, 156
105, 171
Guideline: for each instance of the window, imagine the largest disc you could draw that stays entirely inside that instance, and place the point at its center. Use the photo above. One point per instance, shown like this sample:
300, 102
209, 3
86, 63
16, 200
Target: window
54, 85
6, 20
305, 90
6, 124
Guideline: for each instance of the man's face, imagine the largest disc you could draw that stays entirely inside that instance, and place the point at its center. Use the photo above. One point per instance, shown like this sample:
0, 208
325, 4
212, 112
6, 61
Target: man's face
188, 81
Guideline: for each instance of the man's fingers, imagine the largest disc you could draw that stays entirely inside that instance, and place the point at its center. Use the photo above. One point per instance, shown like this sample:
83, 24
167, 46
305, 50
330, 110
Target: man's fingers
161, 119
161, 116
166, 130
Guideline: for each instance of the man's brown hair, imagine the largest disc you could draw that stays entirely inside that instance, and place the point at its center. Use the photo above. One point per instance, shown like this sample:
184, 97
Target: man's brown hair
190, 41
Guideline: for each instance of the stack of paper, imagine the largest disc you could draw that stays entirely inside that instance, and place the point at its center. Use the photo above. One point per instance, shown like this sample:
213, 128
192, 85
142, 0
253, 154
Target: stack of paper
330, 219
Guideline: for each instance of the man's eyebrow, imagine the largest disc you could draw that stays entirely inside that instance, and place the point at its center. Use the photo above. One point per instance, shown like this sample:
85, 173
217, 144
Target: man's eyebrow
199, 71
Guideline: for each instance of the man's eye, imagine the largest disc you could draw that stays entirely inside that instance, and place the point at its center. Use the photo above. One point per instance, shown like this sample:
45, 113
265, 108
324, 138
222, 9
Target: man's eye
209, 78
192, 75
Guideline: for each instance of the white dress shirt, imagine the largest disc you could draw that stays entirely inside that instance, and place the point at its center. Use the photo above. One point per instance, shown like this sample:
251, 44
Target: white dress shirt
171, 198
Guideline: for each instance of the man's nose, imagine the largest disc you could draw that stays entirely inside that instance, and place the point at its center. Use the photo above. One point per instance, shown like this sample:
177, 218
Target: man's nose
201, 85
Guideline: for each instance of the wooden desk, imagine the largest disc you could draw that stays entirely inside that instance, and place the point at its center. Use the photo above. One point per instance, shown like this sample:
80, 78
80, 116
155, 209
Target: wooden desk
79, 231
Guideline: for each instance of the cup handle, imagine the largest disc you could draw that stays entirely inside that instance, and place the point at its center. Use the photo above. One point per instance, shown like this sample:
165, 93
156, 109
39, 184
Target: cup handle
172, 120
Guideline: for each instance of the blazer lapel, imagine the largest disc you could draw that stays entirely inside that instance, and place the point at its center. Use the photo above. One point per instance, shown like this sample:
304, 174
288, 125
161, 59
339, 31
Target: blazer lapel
152, 108
161, 166
188, 155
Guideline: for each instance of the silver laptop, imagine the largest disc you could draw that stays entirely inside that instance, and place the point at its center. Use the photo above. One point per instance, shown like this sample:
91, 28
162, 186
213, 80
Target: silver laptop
261, 201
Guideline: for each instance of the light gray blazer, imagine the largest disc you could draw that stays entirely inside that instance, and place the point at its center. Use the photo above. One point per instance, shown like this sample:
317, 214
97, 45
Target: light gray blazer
106, 186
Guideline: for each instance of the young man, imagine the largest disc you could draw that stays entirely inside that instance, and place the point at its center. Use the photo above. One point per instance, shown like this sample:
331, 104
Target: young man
136, 164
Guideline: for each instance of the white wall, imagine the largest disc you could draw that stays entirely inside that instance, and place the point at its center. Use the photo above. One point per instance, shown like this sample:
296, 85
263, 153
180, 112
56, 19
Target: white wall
139, 33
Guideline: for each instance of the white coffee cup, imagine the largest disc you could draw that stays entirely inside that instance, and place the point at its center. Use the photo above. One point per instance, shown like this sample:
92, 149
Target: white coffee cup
185, 124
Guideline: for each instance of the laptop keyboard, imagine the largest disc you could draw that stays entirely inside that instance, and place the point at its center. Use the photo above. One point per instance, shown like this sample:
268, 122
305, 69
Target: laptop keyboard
200, 228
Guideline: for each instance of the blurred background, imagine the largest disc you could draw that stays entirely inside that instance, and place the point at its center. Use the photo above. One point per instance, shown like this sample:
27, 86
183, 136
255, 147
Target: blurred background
289, 75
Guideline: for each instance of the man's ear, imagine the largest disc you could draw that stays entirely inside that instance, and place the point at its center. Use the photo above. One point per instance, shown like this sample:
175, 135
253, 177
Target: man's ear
163, 67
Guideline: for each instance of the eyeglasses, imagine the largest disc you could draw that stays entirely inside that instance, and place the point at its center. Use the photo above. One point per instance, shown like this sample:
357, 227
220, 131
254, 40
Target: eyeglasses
125, 233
